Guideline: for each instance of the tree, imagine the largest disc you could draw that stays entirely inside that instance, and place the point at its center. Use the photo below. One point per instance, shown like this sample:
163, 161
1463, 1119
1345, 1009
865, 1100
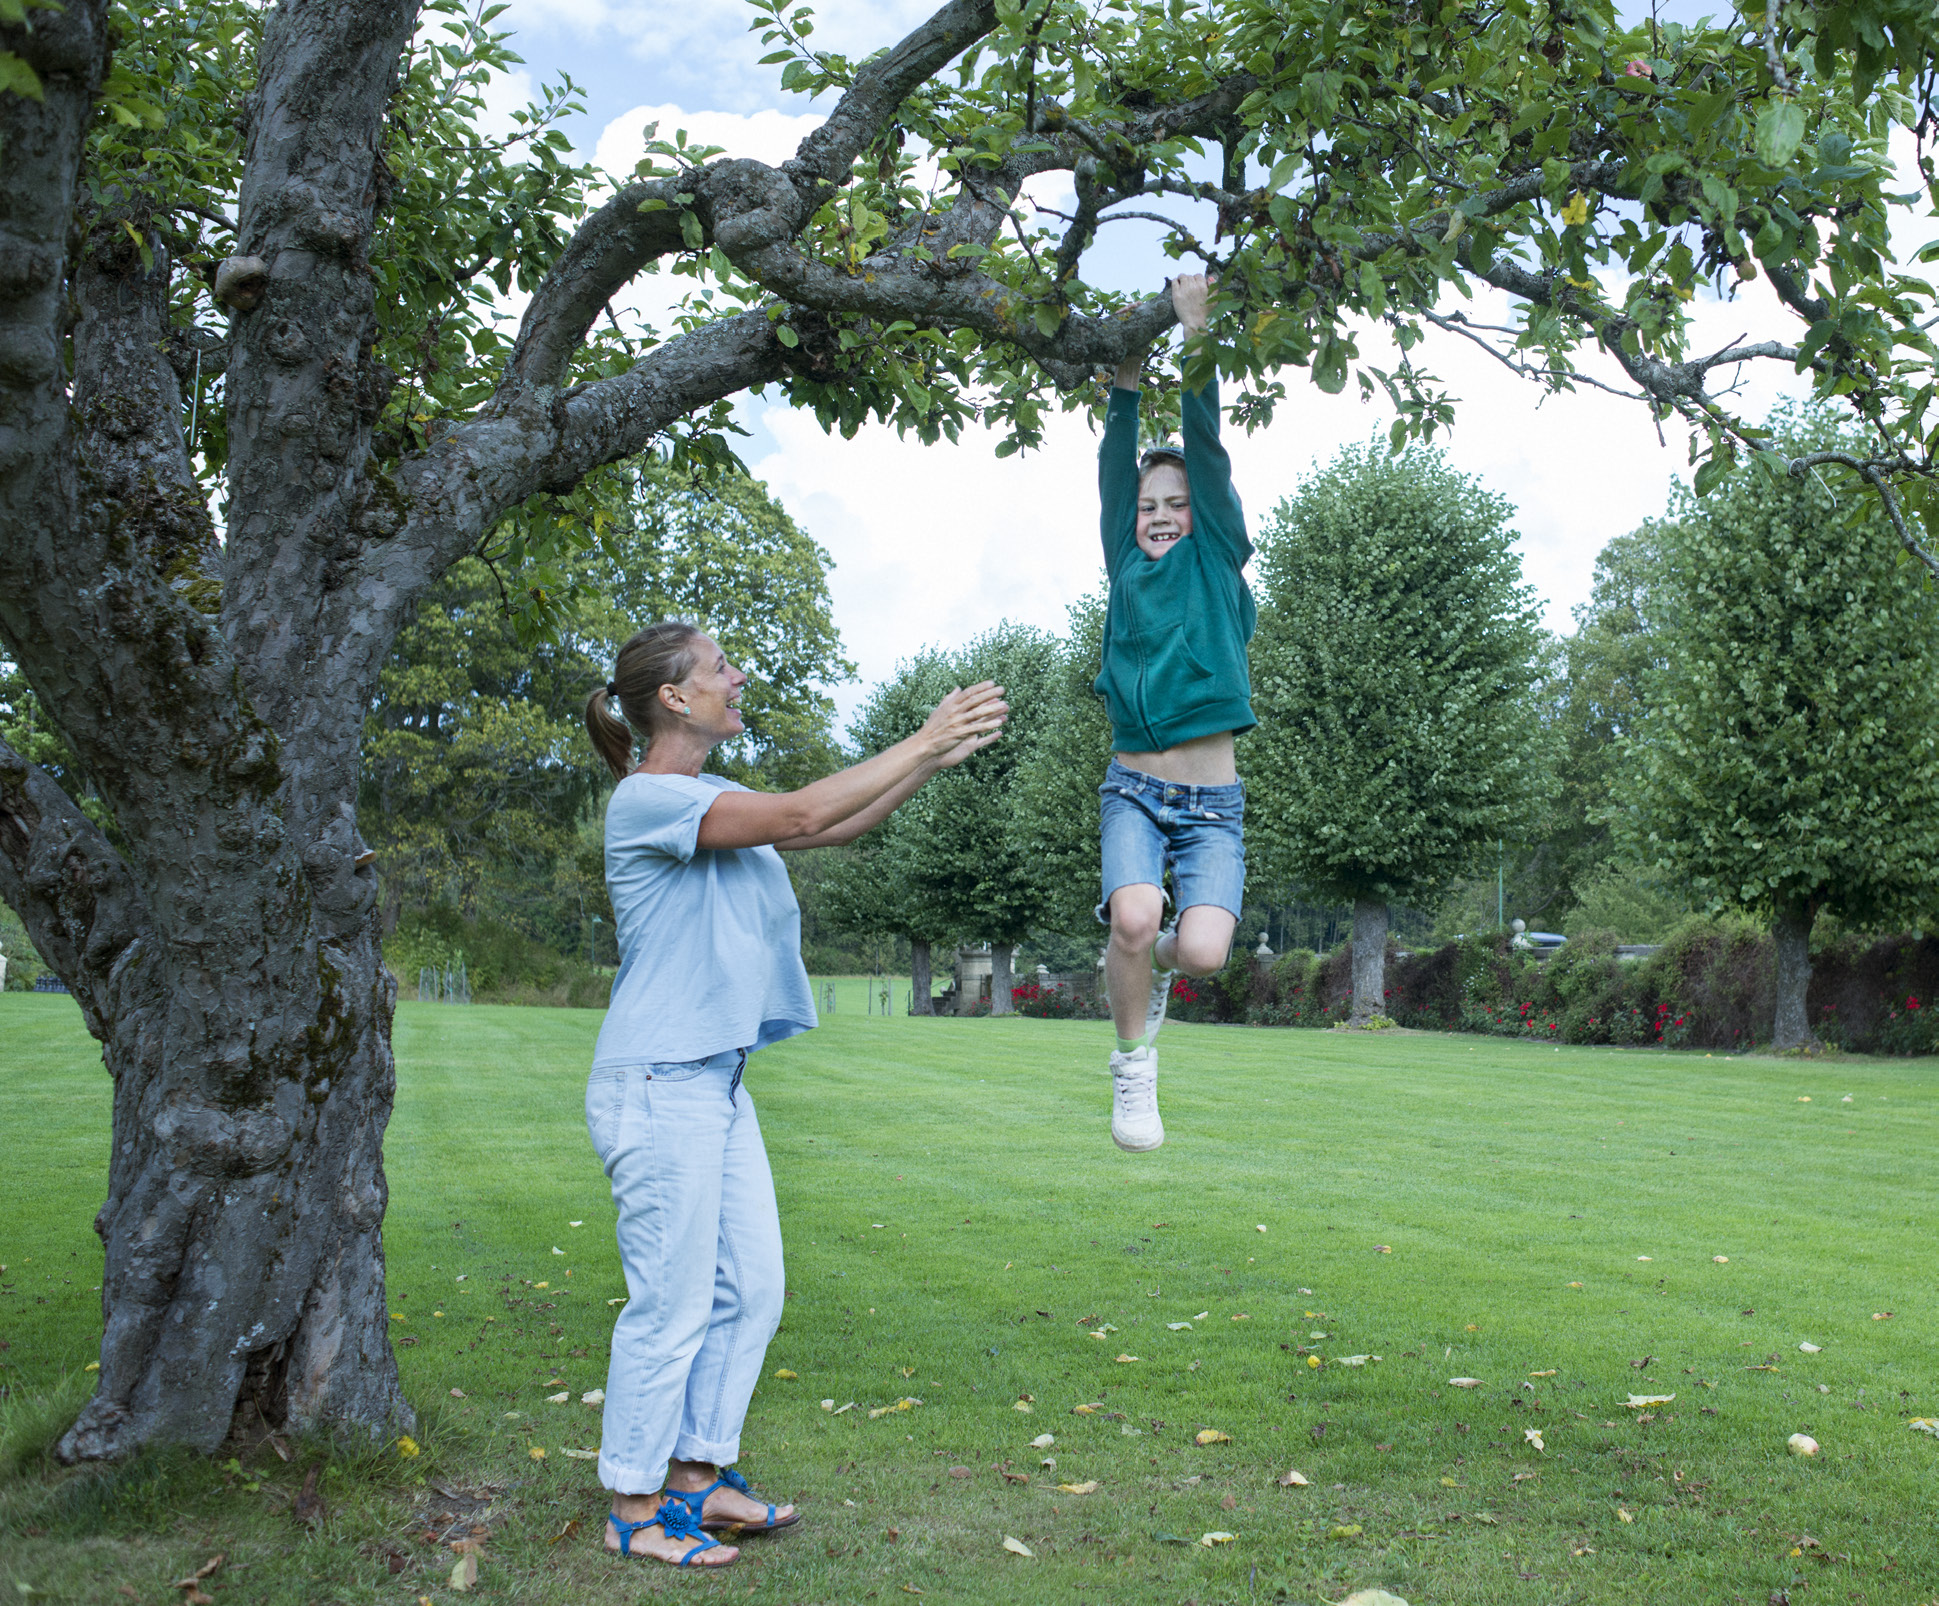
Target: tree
951, 861
1787, 760
1056, 820
1393, 670
878, 888
256, 260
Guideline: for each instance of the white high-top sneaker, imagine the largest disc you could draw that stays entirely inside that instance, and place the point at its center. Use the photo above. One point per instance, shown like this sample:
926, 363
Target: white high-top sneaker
1135, 1125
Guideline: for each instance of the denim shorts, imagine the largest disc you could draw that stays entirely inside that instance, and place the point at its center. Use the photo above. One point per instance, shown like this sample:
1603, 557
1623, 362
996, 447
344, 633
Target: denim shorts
1198, 833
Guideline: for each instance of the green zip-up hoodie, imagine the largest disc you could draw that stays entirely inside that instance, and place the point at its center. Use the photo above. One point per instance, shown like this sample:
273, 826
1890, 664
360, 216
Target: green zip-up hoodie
1176, 627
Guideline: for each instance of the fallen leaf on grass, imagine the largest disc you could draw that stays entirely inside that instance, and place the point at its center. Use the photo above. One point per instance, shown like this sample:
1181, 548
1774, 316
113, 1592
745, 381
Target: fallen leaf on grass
1881, 1315
841, 1408
1638, 1402
1090, 1409
464, 1576
1720, 1260
1345, 1530
620, 1301
1925, 1424
1126, 1360
1625, 1516
580, 1455
1812, 1349
536, 1453
1801, 1444
1089, 1486
782, 1371
1211, 1436
1534, 1436
1372, 1597
1354, 1360
1763, 1367
906, 1403
1242, 1317
1293, 1478
910, 1589
1159, 1536
1549, 1373
1201, 1316
1016, 1547
1452, 1483
1013, 1477
560, 1398
1024, 1406
407, 1447
1216, 1538
1179, 1327
1043, 1441
1464, 1382
1519, 1476
191, 1583
828, 1405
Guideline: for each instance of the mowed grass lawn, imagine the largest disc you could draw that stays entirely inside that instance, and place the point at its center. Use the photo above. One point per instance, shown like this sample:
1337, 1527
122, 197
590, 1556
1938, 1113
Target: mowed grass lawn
961, 1231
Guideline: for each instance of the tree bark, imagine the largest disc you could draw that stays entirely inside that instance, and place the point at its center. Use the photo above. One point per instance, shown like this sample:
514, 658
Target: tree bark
1001, 956
1369, 960
1791, 930
920, 979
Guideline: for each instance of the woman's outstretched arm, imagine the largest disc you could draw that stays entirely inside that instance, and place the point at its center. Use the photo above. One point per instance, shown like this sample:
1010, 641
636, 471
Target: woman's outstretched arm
966, 719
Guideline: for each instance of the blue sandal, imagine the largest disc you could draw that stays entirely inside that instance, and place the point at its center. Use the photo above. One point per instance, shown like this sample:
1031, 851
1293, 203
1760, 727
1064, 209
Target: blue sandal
679, 1516
730, 1479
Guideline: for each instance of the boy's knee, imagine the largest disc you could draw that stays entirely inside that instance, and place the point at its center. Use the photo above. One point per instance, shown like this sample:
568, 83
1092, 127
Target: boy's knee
1202, 958
1134, 926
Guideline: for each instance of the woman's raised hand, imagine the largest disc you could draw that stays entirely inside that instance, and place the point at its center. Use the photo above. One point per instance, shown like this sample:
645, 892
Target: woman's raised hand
964, 722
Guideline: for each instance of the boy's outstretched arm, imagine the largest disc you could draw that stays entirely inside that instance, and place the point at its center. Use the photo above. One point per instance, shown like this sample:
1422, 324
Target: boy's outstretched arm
1216, 513
1117, 465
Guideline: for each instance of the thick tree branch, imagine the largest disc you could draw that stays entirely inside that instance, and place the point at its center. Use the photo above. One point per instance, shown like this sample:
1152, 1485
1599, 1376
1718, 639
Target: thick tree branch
827, 154
71, 890
302, 388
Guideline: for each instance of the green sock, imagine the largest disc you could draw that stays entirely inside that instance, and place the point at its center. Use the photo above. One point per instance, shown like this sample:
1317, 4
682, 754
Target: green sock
1127, 1044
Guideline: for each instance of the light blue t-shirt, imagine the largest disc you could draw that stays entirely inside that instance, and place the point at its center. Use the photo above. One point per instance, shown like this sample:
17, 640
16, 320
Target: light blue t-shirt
709, 939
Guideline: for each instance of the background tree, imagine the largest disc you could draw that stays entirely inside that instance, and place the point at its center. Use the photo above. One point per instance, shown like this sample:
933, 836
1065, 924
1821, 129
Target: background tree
951, 861
1393, 673
1056, 819
259, 258
879, 887
1787, 759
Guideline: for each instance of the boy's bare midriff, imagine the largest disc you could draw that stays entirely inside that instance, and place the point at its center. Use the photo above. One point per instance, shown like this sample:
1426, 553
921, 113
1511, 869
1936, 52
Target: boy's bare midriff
1203, 761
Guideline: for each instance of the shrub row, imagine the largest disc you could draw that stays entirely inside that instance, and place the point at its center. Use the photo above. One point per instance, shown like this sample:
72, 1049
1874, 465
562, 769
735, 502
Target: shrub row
1711, 985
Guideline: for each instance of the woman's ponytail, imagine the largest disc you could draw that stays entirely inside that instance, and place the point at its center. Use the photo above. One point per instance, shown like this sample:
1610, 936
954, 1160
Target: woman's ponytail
660, 655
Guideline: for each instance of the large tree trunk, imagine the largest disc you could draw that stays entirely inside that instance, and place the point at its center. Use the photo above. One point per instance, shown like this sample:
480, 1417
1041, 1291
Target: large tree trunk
1369, 960
1792, 931
920, 979
1001, 981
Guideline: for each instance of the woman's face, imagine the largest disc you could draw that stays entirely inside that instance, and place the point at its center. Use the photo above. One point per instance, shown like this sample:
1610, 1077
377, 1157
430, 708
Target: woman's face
708, 700
1164, 509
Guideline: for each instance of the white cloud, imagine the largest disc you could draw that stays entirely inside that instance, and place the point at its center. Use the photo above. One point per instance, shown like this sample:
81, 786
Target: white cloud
765, 136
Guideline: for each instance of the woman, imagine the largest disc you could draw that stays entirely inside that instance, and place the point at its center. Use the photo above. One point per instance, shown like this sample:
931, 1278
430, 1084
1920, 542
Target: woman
710, 970
1176, 685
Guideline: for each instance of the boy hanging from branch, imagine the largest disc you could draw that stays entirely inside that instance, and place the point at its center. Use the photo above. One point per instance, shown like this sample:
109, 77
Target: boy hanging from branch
1176, 686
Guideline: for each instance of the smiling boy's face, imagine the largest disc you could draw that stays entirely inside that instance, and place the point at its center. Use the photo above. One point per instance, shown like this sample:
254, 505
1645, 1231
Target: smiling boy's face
1164, 509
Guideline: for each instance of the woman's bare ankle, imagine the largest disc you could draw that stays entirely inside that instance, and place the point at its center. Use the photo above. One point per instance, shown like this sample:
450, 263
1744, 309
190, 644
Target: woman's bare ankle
690, 1476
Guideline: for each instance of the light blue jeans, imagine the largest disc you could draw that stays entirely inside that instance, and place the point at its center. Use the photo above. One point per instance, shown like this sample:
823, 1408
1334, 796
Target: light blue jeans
700, 1242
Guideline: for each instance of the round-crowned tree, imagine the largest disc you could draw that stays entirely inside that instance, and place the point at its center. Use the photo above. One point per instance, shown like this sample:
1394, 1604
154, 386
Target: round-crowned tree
1787, 762
1393, 673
